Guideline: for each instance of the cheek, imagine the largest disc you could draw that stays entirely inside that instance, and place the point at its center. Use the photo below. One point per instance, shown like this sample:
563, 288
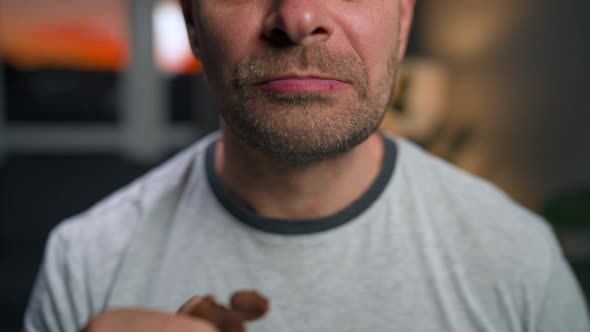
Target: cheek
227, 39
374, 37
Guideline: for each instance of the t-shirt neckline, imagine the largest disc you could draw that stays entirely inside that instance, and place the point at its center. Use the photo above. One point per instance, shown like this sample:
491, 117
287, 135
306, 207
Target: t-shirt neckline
302, 226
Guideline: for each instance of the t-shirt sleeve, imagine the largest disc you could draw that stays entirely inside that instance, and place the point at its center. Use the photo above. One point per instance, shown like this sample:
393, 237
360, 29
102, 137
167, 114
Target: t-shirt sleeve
55, 302
562, 306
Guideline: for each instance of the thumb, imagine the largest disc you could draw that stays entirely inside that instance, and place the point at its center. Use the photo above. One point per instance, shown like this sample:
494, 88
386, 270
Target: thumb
190, 304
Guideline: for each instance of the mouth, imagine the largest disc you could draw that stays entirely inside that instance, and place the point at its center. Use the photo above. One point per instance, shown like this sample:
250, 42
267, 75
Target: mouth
294, 84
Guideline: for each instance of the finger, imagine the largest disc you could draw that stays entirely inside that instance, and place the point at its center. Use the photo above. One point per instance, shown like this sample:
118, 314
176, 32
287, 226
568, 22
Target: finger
189, 305
250, 304
205, 308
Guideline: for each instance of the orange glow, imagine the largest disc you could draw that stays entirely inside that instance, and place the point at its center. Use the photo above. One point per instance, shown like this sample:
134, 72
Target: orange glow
77, 47
75, 34
190, 65
67, 45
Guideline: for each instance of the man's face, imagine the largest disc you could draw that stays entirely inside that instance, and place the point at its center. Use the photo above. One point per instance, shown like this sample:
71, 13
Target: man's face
300, 80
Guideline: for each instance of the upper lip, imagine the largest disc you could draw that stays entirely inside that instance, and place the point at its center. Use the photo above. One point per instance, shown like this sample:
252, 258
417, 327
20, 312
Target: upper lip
299, 77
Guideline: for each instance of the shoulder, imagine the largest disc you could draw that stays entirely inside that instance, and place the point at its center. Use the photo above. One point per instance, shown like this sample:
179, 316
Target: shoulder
475, 221
99, 236
454, 189
83, 253
119, 212
494, 252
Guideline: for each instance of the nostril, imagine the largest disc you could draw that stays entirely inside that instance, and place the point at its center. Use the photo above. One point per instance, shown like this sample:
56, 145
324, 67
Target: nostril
280, 37
319, 31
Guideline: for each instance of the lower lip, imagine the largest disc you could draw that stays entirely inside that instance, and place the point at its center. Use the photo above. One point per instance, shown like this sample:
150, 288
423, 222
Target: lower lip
304, 85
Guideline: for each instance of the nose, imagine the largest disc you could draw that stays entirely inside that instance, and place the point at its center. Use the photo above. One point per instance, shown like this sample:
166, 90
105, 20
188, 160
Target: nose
298, 22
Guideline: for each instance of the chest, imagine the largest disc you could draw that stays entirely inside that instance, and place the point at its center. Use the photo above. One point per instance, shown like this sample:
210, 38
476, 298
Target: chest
335, 289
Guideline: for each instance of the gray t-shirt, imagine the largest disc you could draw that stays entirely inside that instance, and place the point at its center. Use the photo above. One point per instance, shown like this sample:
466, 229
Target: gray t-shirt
426, 248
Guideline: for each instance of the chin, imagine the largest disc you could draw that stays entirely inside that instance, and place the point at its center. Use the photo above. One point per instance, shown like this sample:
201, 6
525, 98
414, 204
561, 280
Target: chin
302, 136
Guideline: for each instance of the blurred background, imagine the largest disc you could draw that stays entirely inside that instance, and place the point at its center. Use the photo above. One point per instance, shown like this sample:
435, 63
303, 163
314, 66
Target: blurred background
95, 93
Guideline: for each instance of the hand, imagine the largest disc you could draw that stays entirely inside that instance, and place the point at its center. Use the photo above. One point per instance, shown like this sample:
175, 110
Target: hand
244, 306
141, 320
205, 307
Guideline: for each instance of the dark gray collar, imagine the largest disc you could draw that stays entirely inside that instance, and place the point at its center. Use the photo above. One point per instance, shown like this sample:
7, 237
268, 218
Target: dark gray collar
302, 226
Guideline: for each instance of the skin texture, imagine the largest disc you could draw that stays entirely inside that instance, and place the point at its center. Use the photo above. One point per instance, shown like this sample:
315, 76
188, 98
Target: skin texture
307, 153
245, 43
302, 150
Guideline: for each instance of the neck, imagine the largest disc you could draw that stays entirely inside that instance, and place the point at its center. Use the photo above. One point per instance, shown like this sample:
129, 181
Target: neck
276, 189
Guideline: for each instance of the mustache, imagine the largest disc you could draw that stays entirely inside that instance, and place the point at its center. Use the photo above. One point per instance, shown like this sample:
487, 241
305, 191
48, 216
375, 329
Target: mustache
317, 59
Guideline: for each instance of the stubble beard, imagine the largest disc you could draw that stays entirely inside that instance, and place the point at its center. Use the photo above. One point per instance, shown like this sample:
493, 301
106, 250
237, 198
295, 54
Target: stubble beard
305, 127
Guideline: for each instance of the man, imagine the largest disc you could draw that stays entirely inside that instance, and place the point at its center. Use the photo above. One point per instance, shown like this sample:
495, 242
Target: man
301, 199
